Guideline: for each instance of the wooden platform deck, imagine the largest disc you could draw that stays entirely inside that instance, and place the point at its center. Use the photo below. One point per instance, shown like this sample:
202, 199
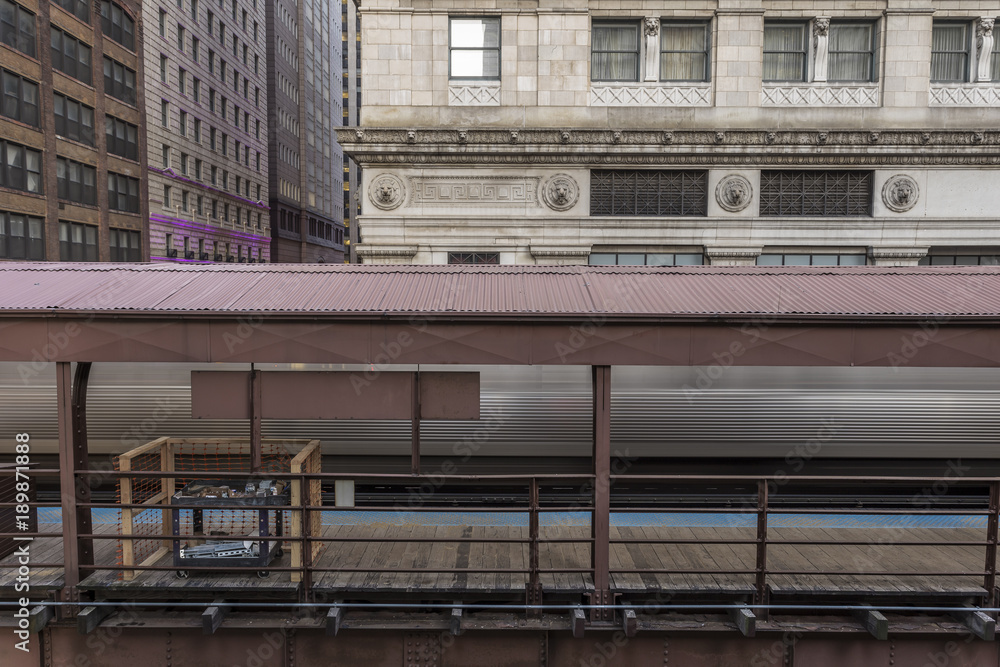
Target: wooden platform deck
381, 564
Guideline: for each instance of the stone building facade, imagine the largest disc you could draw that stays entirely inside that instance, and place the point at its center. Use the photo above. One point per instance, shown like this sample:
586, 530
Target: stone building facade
72, 181
651, 132
305, 102
206, 102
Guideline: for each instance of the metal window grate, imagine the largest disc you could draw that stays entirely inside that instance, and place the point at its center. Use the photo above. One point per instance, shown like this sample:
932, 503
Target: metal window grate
818, 193
473, 258
648, 192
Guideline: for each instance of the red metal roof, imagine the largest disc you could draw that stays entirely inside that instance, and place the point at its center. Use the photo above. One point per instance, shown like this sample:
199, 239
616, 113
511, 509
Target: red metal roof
503, 291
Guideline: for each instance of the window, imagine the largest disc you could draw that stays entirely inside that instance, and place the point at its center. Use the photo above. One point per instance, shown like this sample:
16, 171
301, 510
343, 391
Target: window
20, 167
77, 182
180, 38
197, 168
211, 138
820, 193
125, 245
995, 60
119, 81
814, 259
73, 120
195, 48
211, 61
70, 56
646, 259
473, 258
852, 52
194, 9
182, 80
166, 156
211, 100
184, 164
20, 98
164, 113
122, 138
166, 196
184, 200
961, 257
785, 50
648, 192
118, 25
163, 23
17, 27
77, 243
183, 123
214, 175
123, 193
684, 49
196, 89
225, 144
78, 8
163, 68
197, 131
950, 44
475, 48
614, 52
21, 236
211, 23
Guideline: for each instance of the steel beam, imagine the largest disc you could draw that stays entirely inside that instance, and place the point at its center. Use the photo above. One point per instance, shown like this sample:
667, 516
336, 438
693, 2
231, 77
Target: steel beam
67, 480
334, 617
81, 454
576, 623
256, 453
601, 523
415, 426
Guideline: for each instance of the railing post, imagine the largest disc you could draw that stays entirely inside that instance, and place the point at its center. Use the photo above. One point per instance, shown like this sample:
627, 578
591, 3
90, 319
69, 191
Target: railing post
990, 580
534, 595
81, 461
256, 446
415, 427
760, 585
306, 544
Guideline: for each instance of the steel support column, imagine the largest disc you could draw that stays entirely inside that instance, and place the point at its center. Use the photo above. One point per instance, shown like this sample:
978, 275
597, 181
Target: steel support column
990, 581
760, 583
81, 461
67, 479
534, 592
415, 427
601, 521
256, 456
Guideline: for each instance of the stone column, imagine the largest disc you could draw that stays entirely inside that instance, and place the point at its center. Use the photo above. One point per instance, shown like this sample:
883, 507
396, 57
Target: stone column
739, 53
821, 47
651, 28
984, 47
907, 55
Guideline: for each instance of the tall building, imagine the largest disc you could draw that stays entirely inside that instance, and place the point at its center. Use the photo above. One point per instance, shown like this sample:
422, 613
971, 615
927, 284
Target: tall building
206, 100
306, 185
351, 30
713, 131
73, 185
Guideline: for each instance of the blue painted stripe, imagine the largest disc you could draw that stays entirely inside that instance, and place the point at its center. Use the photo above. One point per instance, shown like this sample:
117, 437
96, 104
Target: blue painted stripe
519, 518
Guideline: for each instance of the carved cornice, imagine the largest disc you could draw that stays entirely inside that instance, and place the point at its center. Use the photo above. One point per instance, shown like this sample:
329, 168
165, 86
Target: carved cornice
733, 253
392, 146
367, 251
560, 252
898, 253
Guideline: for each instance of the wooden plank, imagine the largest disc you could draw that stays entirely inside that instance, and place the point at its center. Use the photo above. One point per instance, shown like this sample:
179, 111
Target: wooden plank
212, 617
455, 626
629, 624
977, 622
334, 617
745, 620
128, 527
142, 449
576, 623
39, 617
168, 487
295, 524
91, 617
874, 622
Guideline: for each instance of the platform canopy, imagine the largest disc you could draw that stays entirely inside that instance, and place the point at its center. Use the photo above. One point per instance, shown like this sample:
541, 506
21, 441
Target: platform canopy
789, 316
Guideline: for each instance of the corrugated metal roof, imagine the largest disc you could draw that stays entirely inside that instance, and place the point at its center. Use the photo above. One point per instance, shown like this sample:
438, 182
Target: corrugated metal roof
503, 290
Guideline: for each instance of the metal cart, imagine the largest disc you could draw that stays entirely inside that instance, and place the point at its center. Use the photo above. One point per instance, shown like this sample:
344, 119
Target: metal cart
244, 551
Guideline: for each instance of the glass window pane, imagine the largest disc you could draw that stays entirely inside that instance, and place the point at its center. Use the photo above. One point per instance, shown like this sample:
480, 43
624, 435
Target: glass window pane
659, 259
797, 260
966, 260
853, 260
603, 259
631, 259
824, 260
769, 260
682, 259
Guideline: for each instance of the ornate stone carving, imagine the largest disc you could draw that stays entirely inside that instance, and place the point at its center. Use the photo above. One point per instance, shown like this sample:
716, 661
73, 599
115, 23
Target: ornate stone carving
965, 95
483, 95
821, 47
616, 137
734, 193
463, 136
978, 137
386, 191
560, 192
564, 137
822, 137
482, 191
925, 137
359, 135
770, 137
873, 137
411, 136
513, 136
900, 193
720, 137
809, 95
668, 137
650, 95
984, 47
652, 26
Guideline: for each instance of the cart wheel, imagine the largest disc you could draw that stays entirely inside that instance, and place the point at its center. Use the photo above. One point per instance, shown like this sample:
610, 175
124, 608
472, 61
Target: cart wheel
262, 574
183, 574
279, 552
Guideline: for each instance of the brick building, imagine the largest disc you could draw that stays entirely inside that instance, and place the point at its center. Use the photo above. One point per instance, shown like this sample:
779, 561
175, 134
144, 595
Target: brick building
73, 184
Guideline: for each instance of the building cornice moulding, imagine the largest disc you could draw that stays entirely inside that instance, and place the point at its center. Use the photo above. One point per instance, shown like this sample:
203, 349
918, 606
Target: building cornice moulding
518, 146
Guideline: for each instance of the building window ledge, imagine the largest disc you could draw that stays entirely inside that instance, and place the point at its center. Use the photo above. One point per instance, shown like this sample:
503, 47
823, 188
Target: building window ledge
986, 94
812, 94
478, 94
650, 95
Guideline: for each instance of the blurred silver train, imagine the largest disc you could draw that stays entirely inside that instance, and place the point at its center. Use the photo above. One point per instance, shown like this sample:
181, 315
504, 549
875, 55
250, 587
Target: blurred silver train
545, 411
